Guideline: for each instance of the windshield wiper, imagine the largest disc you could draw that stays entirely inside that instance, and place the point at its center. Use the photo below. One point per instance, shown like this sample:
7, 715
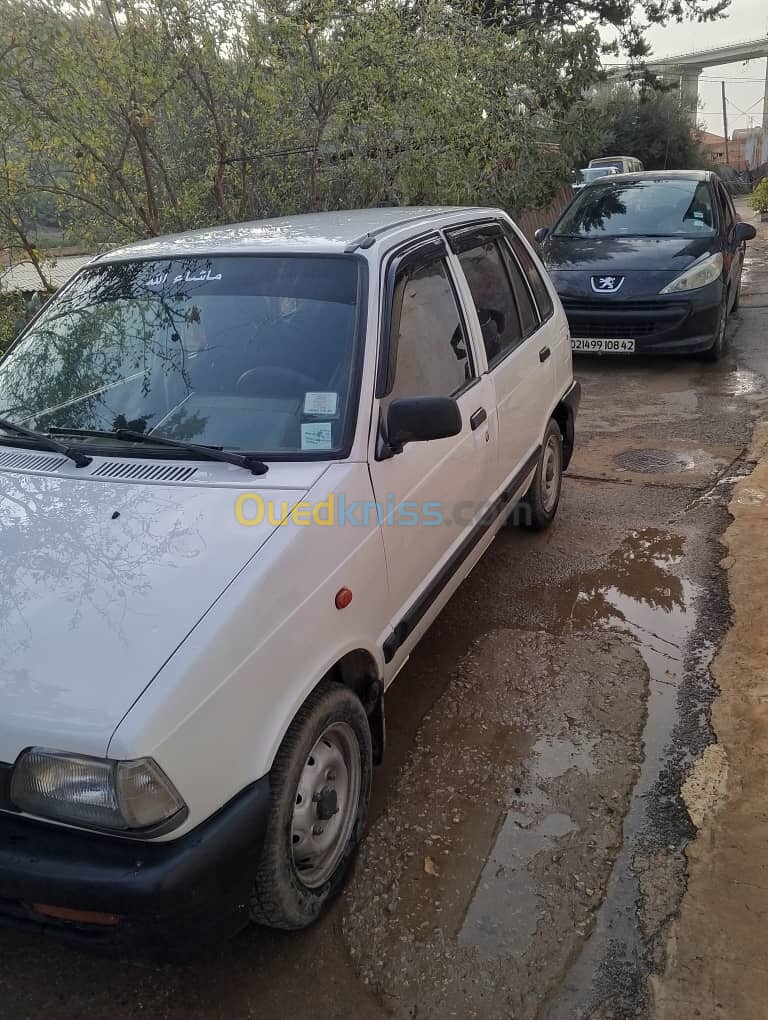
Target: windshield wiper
243, 460
46, 442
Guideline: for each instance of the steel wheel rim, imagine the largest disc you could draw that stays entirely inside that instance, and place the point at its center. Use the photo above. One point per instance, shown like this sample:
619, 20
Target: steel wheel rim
550, 475
325, 805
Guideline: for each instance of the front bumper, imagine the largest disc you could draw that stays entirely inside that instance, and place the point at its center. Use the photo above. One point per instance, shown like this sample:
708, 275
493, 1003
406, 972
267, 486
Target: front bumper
663, 324
172, 899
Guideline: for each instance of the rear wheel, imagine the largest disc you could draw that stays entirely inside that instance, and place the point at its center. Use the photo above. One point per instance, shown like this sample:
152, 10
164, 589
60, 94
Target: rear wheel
716, 351
543, 497
320, 788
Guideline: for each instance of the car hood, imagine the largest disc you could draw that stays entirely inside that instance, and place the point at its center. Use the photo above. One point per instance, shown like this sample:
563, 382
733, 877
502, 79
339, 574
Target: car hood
100, 582
625, 254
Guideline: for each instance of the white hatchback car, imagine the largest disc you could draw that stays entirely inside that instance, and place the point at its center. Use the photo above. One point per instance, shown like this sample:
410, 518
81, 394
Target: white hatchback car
241, 472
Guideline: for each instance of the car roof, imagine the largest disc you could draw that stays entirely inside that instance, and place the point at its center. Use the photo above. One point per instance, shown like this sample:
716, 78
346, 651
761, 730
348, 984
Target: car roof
666, 175
325, 232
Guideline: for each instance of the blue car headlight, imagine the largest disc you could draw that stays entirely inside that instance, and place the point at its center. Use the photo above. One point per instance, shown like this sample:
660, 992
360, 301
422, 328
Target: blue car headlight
700, 274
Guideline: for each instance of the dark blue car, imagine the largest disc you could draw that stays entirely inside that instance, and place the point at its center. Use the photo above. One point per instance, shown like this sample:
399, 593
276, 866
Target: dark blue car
649, 263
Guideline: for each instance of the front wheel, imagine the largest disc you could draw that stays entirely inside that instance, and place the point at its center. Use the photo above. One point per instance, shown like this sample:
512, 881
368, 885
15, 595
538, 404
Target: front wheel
716, 351
320, 787
737, 299
543, 497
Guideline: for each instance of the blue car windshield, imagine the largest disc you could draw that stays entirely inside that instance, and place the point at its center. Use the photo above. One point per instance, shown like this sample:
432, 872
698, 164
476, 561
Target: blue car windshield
640, 208
252, 353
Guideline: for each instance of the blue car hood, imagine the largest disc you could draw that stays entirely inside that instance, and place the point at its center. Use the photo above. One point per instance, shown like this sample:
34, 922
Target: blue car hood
670, 255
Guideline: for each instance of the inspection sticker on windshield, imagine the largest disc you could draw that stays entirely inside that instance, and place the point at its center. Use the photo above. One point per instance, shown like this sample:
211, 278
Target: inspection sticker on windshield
321, 403
316, 435
603, 346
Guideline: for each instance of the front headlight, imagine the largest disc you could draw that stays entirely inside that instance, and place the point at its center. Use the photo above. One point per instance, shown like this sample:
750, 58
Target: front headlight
124, 796
699, 275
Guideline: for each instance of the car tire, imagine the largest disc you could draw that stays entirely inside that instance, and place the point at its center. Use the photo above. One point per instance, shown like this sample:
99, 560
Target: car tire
716, 351
737, 299
320, 786
543, 496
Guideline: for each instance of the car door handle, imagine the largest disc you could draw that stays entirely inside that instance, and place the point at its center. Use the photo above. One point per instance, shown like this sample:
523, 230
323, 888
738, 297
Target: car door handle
478, 418
544, 353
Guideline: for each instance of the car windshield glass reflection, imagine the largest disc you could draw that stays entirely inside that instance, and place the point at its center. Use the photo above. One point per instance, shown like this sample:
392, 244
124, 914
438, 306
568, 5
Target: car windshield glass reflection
647, 208
253, 353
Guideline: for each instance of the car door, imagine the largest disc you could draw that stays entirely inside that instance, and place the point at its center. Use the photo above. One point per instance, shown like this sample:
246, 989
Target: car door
432, 492
552, 332
519, 358
733, 255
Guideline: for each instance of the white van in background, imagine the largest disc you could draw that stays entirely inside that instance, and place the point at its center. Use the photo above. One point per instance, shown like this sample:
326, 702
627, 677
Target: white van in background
624, 164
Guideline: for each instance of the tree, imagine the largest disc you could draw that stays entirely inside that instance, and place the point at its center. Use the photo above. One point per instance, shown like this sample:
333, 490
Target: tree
628, 18
646, 123
139, 118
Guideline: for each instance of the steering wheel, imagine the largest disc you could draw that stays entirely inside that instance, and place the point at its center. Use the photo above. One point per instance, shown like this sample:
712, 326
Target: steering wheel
287, 381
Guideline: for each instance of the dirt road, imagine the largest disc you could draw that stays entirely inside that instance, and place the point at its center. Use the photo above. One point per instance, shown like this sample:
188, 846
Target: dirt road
528, 841
716, 959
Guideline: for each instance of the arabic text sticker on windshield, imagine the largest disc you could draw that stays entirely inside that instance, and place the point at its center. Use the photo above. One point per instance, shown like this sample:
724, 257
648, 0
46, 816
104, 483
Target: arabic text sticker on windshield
316, 435
321, 403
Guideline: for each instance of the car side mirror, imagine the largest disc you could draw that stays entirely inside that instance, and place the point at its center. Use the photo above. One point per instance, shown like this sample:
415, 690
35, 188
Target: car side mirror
541, 235
420, 419
743, 232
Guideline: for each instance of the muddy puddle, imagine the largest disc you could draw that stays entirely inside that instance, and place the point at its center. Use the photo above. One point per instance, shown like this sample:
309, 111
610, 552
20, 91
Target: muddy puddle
505, 829
659, 609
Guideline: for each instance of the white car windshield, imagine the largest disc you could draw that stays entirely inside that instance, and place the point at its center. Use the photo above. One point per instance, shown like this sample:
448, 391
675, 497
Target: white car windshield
253, 353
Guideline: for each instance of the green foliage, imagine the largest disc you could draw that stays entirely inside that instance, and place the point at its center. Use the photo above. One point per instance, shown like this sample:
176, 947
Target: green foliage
646, 123
759, 197
15, 312
124, 119
627, 18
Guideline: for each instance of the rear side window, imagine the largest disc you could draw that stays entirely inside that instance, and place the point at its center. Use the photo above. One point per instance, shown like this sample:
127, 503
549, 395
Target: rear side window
493, 296
532, 275
725, 208
525, 306
433, 356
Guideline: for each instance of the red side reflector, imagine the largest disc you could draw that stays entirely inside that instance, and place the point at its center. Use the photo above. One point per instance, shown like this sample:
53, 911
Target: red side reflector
80, 916
343, 598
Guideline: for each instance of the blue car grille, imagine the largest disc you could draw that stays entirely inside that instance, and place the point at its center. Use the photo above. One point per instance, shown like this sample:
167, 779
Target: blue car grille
627, 320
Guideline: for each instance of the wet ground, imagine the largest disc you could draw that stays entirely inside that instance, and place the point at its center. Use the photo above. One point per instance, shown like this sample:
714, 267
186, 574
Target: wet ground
527, 840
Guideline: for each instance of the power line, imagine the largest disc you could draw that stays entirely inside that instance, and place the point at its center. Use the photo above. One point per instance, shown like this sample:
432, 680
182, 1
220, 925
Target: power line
746, 112
682, 74
711, 77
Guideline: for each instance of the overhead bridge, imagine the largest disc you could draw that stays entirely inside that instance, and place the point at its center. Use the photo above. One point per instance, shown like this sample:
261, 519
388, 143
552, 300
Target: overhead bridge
687, 68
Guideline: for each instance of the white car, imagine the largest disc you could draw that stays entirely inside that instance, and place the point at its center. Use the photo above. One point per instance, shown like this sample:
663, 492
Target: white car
241, 472
589, 174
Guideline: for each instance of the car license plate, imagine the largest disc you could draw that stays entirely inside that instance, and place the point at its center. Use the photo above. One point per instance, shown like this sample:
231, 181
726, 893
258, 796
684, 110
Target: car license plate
603, 346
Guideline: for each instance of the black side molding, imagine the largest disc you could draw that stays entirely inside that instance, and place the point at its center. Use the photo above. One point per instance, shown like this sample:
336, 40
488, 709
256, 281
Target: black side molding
572, 398
422, 605
565, 416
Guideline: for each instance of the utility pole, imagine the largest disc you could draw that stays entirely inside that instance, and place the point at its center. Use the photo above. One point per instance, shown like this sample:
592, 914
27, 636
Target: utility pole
725, 124
765, 99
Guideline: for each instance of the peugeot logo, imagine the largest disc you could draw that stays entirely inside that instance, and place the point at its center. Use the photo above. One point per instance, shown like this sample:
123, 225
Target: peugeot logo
606, 284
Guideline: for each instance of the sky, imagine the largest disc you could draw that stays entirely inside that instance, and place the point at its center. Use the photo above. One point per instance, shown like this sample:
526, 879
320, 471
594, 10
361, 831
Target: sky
744, 82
